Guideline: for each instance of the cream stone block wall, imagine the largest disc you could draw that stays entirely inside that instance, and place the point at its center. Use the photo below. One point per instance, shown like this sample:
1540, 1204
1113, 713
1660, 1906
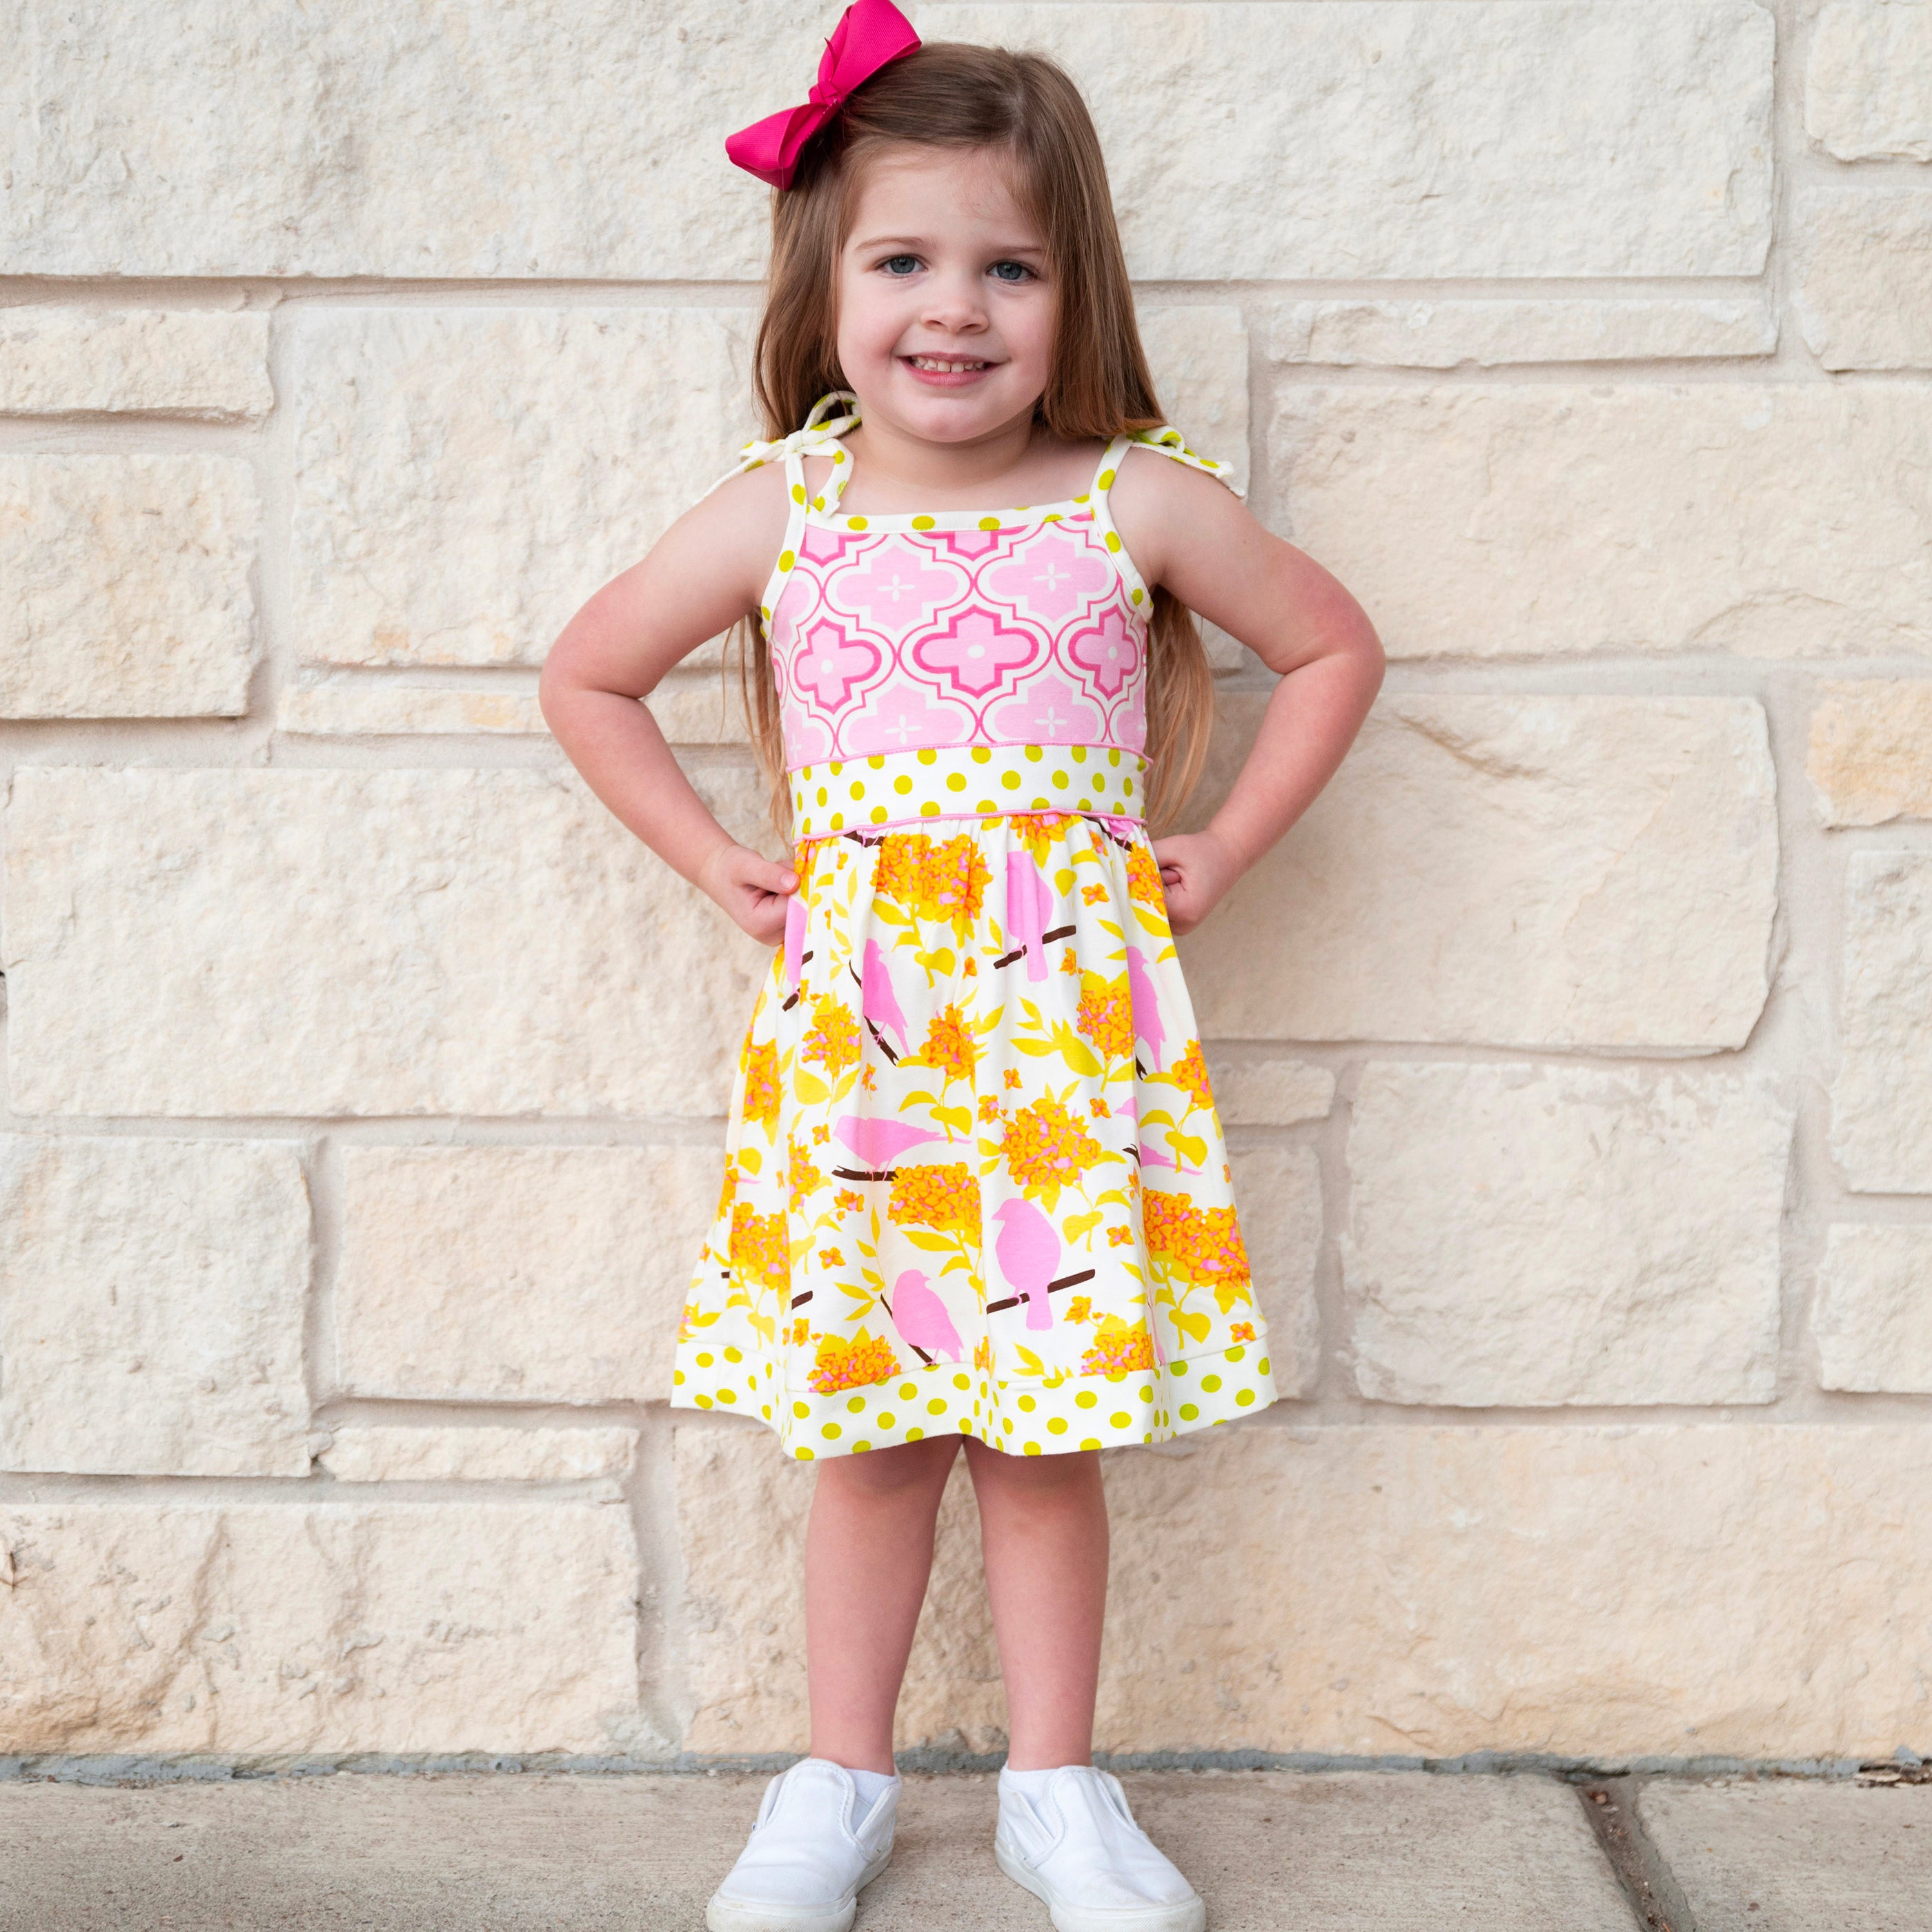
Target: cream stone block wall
1402, 1591
128, 589
296, 1627
532, 1274
1868, 87
1768, 520
152, 1317
1521, 1235
362, 1083
1874, 1318
1517, 871
56, 360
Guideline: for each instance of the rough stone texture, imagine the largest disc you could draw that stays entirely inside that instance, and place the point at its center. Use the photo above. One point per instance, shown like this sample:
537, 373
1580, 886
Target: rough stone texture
1673, 1590
1867, 761
466, 478
529, 1274
285, 1627
1881, 1104
385, 709
195, 363
1269, 1093
1394, 140
1864, 297
700, 708
1482, 521
1417, 139
1199, 357
396, 1453
1278, 1197
127, 584
1872, 1319
1422, 334
345, 942
1868, 87
1511, 870
1523, 1235
151, 1307
1341, 1853
1779, 1857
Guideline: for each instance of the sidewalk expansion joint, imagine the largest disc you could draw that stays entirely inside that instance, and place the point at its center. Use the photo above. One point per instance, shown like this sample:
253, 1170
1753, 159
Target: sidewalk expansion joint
1655, 1899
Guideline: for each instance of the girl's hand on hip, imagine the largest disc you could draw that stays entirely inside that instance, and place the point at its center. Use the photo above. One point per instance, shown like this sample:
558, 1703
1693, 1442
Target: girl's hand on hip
1196, 869
754, 890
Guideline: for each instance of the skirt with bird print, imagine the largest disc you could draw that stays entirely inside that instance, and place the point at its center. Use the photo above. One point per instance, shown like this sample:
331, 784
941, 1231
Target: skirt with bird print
974, 1181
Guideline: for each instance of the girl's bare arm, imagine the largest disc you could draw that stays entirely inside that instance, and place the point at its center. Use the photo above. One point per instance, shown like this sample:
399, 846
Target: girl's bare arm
706, 570
1189, 534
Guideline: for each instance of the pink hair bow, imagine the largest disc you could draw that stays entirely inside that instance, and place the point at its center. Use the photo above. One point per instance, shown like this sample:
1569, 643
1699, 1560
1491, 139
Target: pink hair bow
870, 34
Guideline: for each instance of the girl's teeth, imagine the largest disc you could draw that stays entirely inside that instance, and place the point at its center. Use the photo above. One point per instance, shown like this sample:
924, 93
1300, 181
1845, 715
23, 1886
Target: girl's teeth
937, 367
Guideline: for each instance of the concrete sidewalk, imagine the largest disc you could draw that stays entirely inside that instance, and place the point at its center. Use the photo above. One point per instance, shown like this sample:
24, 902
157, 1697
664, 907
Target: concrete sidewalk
1271, 1852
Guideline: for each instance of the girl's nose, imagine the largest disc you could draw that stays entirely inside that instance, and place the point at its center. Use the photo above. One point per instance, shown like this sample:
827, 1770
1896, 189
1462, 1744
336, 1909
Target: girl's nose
954, 304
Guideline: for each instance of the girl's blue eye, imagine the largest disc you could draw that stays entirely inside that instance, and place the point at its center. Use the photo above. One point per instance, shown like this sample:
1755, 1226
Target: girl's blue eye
900, 265
1011, 271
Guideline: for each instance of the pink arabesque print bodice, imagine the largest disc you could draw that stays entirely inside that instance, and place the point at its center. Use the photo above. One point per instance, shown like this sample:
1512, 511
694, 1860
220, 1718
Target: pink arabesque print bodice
956, 662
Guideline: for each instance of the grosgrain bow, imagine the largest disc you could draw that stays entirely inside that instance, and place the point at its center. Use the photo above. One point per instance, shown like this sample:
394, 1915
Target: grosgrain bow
870, 34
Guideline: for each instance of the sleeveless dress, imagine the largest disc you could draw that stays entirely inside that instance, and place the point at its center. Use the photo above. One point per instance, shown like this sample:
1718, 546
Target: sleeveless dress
974, 1181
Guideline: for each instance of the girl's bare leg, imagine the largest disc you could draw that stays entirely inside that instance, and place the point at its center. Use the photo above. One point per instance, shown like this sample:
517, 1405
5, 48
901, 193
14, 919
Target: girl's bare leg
868, 1555
1043, 1534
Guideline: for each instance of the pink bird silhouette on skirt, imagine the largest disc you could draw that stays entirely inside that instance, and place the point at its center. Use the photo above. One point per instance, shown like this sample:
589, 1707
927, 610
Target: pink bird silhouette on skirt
1146, 1005
921, 1318
878, 1142
877, 1000
1029, 903
1028, 1250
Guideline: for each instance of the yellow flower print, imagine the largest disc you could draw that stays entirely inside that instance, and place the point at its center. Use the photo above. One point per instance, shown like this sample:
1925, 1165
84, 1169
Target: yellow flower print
1106, 1015
1094, 894
868, 1077
1099, 1108
945, 1198
831, 1257
759, 1250
833, 1041
820, 1134
1118, 1348
1080, 1308
1068, 964
1039, 832
1190, 1071
982, 1355
858, 1364
801, 1176
1047, 1148
1119, 1238
1199, 1244
1144, 876
989, 1106
1242, 1331
950, 1047
762, 1093
1012, 1077
848, 1201
801, 1330
944, 879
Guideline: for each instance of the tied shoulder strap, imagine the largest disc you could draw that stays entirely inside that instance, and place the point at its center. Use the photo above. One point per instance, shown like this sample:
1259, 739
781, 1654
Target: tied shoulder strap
1170, 442
820, 428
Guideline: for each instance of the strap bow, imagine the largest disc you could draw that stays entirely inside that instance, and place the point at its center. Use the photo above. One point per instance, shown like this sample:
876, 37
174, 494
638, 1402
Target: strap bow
870, 34
820, 427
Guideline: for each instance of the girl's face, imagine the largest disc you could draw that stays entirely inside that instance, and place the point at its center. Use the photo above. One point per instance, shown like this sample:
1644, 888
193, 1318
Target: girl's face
946, 309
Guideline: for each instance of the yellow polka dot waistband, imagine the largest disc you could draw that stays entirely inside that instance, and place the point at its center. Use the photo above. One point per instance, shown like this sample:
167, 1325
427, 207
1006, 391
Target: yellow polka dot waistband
964, 782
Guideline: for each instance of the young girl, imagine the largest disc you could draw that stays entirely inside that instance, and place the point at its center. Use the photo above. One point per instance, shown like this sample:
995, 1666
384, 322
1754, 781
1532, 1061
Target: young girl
975, 1190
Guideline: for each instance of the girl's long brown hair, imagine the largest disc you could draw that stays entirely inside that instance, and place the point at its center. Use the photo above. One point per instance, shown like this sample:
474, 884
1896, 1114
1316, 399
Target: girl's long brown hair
948, 94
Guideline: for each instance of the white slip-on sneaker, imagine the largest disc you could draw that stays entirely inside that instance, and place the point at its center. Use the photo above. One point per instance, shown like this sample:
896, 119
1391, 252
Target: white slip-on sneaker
809, 1854
1076, 1846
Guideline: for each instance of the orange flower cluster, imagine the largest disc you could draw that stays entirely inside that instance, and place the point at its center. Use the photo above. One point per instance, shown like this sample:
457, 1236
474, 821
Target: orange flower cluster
989, 1106
801, 1330
1039, 832
1242, 1331
950, 1047
1144, 876
858, 1364
760, 1249
684, 1321
849, 1200
762, 1092
833, 1041
1191, 1071
1198, 1243
1048, 1148
1080, 1308
802, 1176
1106, 1014
938, 879
1118, 1350
945, 1198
